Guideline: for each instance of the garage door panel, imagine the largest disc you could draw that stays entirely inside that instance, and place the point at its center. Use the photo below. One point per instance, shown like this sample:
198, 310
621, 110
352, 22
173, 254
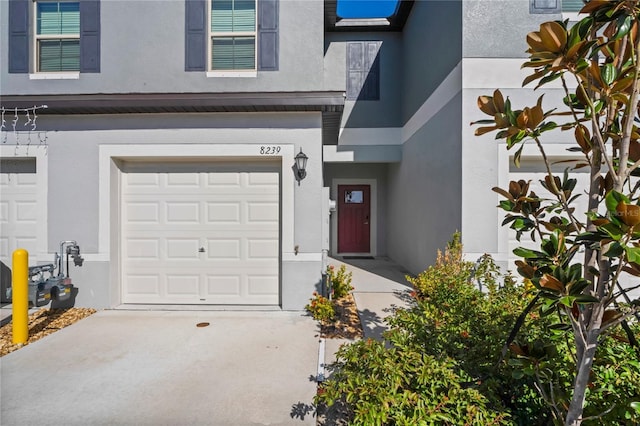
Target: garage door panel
143, 212
182, 212
205, 237
26, 212
143, 284
267, 179
182, 180
142, 248
262, 248
223, 285
261, 285
263, 212
223, 249
183, 285
4, 212
223, 213
182, 249
224, 179
19, 207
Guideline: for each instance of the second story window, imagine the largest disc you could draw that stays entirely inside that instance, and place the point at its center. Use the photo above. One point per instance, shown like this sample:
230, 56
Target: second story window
232, 38
57, 36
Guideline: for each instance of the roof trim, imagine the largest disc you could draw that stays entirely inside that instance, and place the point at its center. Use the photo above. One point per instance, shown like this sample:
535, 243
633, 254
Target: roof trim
178, 102
395, 22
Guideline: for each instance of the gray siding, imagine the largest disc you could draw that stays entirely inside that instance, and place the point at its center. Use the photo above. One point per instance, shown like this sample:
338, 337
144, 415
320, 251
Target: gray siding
498, 29
424, 191
143, 51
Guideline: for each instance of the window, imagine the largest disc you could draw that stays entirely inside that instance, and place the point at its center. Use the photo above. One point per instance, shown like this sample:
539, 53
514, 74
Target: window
232, 40
57, 36
363, 70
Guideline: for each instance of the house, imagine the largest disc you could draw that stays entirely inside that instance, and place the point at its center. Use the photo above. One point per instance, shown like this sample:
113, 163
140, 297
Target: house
162, 136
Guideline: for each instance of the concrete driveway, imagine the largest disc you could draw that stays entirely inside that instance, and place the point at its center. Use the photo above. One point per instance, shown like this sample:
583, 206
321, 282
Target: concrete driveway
158, 368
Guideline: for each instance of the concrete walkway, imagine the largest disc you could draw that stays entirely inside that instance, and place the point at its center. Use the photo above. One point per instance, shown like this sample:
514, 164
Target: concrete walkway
379, 286
158, 368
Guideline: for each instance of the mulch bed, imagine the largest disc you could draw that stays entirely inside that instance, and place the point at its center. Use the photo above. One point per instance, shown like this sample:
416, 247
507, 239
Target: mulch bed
347, 324
42, 323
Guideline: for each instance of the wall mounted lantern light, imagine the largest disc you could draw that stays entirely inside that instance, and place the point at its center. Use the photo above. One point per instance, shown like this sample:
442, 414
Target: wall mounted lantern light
300, 166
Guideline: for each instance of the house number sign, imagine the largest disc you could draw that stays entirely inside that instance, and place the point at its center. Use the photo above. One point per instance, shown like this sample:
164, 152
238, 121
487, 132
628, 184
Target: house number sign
269, 150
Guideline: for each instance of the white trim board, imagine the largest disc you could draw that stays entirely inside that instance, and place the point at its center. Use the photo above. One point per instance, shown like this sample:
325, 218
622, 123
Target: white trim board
373, 186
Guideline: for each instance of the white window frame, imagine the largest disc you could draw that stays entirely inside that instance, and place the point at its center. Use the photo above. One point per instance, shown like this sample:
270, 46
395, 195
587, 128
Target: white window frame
36, 44
211, 34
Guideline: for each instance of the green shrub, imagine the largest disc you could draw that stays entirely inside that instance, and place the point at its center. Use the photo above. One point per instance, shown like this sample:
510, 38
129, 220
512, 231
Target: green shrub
403, 386
321, 308
442, 360
339, 281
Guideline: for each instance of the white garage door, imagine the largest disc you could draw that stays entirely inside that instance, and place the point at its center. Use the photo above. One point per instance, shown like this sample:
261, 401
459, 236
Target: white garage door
18, 208
201, 234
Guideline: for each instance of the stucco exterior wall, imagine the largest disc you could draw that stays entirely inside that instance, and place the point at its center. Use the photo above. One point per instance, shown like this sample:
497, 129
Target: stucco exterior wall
142, 51
498, 29
424, 191
431, 46
381, 113
77, 200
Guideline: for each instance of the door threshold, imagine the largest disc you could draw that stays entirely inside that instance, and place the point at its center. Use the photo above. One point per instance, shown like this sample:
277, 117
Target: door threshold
358, 257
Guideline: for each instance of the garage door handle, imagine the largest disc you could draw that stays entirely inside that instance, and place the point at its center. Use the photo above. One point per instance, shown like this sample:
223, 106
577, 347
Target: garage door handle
201, 250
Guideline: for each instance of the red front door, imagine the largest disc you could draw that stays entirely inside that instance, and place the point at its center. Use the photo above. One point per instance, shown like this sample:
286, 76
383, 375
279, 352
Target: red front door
353, 219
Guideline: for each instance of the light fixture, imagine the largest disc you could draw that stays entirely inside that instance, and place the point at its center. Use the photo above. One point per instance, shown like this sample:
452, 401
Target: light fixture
301, 166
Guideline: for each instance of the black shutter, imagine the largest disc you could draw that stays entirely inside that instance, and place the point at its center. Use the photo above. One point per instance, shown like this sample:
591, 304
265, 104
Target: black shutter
90, 36
371, 87
18, 36
363, 70
268, 35
355, 69
195, 35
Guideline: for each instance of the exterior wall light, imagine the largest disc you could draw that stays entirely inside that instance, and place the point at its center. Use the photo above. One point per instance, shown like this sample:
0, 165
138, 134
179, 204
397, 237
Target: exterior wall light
300, 166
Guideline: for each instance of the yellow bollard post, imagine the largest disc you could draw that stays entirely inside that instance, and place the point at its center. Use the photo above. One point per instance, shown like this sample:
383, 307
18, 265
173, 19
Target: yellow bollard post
20, 296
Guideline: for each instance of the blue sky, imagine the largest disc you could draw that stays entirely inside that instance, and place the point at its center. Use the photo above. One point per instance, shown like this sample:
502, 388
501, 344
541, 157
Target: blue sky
366, 8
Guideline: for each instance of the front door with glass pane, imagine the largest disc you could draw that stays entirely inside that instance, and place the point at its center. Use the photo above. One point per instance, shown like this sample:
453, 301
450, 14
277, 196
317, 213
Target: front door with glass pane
354, 216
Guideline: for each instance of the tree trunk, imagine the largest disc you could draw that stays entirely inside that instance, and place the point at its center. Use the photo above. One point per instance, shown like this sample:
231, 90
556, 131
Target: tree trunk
574, 414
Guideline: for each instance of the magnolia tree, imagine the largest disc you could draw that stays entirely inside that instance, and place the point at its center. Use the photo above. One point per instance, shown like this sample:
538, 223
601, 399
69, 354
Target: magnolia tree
585, 257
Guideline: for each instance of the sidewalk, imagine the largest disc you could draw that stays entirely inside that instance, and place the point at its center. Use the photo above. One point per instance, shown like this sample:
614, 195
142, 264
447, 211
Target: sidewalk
379, 285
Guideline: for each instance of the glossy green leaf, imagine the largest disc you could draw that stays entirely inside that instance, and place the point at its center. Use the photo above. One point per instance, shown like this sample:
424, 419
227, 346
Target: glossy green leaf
624, 25
633, 254
613, 198
585, 299
527, 253
615, 250
568, 300
608, 73
612, 230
